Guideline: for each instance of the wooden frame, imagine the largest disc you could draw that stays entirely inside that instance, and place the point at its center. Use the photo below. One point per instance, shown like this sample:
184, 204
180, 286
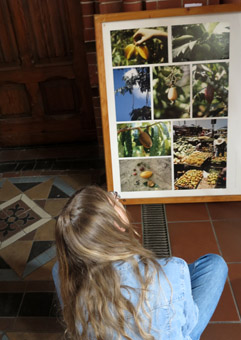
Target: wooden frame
225, 68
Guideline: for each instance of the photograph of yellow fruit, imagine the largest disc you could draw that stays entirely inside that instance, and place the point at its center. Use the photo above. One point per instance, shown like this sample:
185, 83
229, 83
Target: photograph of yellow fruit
189, 180
139, 46
200, 154
171, 91
152, 174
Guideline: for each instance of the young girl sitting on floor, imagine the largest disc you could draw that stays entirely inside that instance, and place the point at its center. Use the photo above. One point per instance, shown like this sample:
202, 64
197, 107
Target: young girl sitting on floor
110, 287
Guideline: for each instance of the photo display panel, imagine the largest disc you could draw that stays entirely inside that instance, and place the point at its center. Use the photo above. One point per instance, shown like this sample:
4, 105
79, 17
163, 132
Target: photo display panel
172, 87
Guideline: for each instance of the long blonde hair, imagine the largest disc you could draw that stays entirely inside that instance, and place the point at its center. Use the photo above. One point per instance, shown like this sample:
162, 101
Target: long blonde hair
88, 243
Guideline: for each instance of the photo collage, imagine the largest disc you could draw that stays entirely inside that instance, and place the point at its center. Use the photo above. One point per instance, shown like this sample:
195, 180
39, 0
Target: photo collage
171, 89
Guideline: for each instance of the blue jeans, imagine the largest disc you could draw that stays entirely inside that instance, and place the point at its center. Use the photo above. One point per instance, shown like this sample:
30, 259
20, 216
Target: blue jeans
208, 276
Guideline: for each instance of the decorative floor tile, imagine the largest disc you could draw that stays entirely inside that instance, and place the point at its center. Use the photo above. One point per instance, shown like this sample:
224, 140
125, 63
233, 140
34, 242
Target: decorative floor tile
65, 187
43, 273
26, 186
3, 264
32, 266
28, 206
27, 223
6, 272
16, 208
8, 275
7, 190
41, 203
9, 232
29, 179
20, 259
75, 181
38, 248
57, 193
28, 218
30, 236
20, 215
54, 206
40, 191
46, 232
16, 255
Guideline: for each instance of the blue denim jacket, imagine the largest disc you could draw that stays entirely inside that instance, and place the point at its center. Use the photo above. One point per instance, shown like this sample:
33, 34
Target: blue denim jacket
170, 303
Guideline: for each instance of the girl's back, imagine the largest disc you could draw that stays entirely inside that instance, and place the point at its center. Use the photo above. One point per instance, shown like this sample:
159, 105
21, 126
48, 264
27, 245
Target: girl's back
169, 299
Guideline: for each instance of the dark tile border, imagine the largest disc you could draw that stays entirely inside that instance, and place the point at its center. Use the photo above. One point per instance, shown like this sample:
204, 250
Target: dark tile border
10, 304
72, 164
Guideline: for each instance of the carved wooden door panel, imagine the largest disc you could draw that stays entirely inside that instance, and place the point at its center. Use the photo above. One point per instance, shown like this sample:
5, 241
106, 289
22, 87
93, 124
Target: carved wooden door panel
45, 95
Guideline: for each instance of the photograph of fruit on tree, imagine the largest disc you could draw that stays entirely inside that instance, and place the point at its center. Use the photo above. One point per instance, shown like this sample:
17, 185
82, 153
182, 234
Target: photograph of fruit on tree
196, 42
210, 90
200, 154
148, 175
139, 46
171, 92
132, 93
144, 140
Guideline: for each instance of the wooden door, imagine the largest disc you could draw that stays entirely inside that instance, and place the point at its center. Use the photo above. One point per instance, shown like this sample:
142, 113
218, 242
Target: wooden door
45, 94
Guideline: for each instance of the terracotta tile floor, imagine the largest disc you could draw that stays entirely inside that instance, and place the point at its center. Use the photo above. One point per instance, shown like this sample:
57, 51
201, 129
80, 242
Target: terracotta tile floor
28, 307
196, 229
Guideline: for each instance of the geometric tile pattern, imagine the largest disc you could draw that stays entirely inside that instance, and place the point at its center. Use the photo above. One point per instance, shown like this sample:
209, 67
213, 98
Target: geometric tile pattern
46, 252
28, 210
29, 308
18, 217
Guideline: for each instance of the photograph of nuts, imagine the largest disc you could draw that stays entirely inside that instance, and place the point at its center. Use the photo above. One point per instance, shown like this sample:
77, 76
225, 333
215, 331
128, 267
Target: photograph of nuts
148, 175
144, 140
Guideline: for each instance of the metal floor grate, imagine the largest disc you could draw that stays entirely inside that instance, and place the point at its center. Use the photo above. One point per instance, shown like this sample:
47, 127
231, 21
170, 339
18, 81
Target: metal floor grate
155, 229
